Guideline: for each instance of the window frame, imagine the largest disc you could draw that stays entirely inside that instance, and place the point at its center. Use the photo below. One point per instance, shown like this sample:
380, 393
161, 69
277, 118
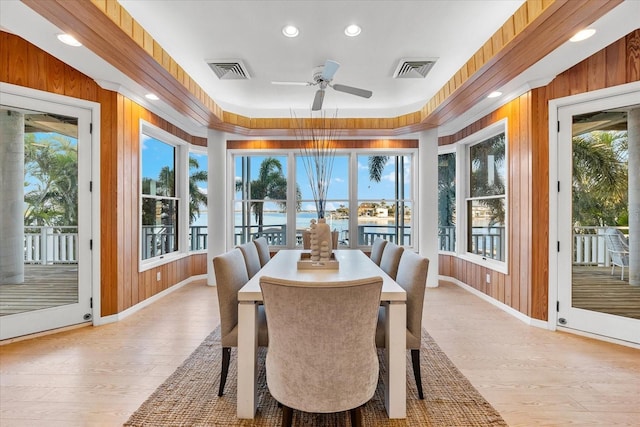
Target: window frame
352, 158
201, 150
463, 195
451, 149
181, 165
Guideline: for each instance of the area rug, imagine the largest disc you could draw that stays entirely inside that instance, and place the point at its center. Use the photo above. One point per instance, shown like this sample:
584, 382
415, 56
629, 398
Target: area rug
189, 397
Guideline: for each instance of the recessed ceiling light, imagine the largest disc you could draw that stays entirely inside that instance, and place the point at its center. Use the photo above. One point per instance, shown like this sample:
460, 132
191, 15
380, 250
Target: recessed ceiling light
494, 94
352, 30
290, 31
582, 35
152, 96
68, 39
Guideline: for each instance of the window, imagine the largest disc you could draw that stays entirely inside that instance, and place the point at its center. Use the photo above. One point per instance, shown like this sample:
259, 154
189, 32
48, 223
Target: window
163, 174
384, 198
260, 202
358, 207
486, 201
447, 202
337, 203
198, 200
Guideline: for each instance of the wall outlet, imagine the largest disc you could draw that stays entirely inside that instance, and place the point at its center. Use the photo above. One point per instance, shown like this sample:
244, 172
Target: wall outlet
158, 276
488, 278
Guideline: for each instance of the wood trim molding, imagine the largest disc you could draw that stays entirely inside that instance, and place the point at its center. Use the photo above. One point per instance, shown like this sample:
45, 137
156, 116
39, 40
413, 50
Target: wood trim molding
537, 28
261, 144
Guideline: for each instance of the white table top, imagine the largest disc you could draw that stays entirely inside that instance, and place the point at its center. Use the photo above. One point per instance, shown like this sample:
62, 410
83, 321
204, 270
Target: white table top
354, 264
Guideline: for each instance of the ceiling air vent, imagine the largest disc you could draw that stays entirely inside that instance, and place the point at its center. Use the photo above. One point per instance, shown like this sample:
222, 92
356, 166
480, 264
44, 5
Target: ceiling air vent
229, 70
413, 68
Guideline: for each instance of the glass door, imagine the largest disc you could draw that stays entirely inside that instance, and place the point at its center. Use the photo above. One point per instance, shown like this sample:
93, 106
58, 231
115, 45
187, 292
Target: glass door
594, 291
45, 278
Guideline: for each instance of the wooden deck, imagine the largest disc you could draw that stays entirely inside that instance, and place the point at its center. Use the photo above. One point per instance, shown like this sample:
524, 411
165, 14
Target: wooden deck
594, 288
44, 286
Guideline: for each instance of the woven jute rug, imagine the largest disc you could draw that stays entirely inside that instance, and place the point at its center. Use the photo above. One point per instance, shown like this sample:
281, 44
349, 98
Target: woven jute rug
189, 397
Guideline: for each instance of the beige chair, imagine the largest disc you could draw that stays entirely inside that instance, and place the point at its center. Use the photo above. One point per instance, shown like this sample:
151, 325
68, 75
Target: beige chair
390, 258
412, 276
618, 249
263, 250
322, 356
251, 258
231, 275
376, 250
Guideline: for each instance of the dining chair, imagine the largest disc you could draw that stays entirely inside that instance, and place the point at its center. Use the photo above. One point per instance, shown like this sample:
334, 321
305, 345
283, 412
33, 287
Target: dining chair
390, 258
231, 275
322, 356
251, 258
376, 249
263, 250
412, 276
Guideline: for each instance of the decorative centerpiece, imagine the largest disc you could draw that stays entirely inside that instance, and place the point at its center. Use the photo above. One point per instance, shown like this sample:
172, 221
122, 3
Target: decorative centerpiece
317, 148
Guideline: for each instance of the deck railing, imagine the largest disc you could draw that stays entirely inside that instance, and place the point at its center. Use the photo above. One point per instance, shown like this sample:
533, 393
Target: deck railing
590, 245
51, 245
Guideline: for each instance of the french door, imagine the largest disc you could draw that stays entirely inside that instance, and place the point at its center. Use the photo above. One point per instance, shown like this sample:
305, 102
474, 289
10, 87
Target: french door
593, 172
45, 226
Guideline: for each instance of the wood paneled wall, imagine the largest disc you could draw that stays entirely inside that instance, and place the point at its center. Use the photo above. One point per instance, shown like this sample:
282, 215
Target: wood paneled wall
526, 286
122, 286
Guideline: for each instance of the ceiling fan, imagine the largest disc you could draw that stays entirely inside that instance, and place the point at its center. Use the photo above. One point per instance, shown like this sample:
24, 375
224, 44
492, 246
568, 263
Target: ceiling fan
322, 77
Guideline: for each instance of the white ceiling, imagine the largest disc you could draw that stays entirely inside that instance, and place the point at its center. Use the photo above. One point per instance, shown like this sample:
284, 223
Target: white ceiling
195, 31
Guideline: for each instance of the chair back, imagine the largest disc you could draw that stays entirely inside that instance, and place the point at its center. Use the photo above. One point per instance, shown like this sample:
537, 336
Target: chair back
412, 276
390, 259
322, 356
251, 258
617, 247
376, 249
263, 250
231, 275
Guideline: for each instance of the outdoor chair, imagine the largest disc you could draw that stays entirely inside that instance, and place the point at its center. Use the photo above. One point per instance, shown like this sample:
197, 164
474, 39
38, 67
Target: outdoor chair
618, 249
322, 356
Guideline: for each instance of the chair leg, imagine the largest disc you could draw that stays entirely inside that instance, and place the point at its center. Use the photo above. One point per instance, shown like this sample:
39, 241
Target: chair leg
356, 417
226, 356
415, 358
287, 416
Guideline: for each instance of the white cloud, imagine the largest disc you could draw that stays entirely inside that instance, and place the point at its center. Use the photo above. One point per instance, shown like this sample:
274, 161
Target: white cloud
338, 179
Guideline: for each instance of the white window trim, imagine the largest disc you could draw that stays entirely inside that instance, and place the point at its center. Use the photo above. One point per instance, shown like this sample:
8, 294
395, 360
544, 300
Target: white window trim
182, 191
352, 155
198, 149
462, 166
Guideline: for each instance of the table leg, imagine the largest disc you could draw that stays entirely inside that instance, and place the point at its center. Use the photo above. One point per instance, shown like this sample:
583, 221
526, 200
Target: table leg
247, 359
396, 357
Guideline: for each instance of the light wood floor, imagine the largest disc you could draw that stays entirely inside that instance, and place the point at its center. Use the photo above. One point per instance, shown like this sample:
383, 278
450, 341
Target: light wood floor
97, 376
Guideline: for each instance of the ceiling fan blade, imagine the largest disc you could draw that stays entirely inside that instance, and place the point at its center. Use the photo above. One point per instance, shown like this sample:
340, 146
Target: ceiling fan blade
317, 101
353, 90
291, 83
330, 68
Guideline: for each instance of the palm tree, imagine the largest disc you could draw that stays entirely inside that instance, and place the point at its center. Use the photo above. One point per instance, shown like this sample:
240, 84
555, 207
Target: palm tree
376, 166
51, 181
270, 184
600, 178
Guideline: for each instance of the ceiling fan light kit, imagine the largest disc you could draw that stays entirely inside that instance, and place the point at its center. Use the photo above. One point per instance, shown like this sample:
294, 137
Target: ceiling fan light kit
323, 77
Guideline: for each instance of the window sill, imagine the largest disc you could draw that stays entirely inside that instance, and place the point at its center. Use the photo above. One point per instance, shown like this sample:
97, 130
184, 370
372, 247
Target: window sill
499, 266
161, 260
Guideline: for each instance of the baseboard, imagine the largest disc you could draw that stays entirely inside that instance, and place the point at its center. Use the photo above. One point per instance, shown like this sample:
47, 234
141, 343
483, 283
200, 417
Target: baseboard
502, 306
142, 304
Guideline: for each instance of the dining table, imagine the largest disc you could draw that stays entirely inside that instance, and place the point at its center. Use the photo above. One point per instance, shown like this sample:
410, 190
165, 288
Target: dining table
352, 264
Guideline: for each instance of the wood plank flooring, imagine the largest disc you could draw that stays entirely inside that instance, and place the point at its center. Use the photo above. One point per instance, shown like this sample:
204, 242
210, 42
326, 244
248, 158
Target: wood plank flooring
44, 286
97, 376
594, 288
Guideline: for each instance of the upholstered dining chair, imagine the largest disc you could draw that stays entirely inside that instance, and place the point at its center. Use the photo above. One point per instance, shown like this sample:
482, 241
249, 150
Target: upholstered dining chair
251, 258
390, 258
376, 249
263, 250
231, 275
412, 276
322, 356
